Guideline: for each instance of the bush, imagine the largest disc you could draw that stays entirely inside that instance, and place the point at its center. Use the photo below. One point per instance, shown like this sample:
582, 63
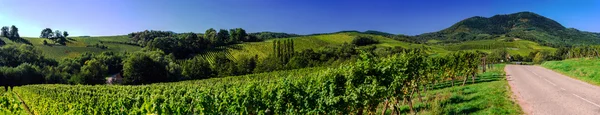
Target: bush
364, 40
144, 67
196, 68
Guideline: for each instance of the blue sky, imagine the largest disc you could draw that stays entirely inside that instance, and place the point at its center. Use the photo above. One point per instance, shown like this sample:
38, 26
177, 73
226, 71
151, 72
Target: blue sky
411, 17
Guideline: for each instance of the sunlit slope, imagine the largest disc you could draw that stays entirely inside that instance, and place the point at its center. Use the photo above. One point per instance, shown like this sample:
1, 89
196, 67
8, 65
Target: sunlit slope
78, 45
263, 49
521, 47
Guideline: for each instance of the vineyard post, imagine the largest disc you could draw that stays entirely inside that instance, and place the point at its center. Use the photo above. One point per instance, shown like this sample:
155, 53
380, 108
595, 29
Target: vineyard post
483, 63
395, 106
419, 94
410, 104
385, 106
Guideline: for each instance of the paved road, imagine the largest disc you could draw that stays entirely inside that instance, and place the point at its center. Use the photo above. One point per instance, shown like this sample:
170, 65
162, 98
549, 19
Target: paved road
540, 91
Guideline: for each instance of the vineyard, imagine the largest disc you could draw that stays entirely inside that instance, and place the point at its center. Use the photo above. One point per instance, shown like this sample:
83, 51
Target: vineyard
371, 85
10, 104
521, 47
210, 55
263, 49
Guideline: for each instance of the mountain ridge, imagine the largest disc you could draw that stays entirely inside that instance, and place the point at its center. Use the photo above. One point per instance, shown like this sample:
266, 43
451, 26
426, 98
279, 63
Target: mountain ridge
520, 25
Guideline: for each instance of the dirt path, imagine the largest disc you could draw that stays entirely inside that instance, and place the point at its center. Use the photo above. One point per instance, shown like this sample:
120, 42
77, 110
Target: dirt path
544, 92
24, 104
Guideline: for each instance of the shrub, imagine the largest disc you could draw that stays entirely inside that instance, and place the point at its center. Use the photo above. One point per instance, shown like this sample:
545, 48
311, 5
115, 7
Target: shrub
364, 40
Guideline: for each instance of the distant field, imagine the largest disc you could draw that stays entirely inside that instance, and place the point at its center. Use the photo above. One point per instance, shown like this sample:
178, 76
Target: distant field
77, 45
585, 69
263, 49
521, 47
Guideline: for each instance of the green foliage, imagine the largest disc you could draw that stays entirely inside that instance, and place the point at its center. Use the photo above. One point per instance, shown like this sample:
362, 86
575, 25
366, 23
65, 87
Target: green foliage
541, 57
14, 32
47, 33
181, 46
21, 75
65, 34
223, 38
582, 52
260, 36
363, 40
238, 35
247, 65
211, 35
145, 36
10, 104
92, 72
11, 56
498, 55
196, 68
143, 68
224, 66
4, 31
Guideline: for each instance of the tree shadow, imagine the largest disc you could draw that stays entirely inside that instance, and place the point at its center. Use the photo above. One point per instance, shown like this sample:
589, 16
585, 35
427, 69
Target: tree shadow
71, 39
455, 104
478, 79
416, 107
232, 46
20, 40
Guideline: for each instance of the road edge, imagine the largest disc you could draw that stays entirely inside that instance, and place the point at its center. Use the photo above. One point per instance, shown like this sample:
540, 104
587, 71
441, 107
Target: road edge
515, 95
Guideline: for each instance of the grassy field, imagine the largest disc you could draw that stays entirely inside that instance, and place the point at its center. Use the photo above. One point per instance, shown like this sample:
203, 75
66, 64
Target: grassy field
263, 49
521, 47
585, 69
78, 45
490, 95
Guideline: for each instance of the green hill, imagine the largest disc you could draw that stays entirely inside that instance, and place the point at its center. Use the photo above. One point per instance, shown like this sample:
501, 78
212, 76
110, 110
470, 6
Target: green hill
263, 49
79, 45
521, 47
520, 33
522, 25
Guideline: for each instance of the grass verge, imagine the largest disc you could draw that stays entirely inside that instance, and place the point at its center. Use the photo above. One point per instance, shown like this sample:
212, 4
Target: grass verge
489, 95
584, 69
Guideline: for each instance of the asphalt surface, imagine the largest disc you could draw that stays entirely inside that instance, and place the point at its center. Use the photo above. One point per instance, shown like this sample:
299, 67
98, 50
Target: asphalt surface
540, 91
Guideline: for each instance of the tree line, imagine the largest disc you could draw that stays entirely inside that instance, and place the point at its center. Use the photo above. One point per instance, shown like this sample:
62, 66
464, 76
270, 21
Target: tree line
152, 64
11, 34
184, 45
57, 37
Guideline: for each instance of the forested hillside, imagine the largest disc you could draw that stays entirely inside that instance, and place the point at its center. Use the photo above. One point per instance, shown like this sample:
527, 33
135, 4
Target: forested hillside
522, 25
